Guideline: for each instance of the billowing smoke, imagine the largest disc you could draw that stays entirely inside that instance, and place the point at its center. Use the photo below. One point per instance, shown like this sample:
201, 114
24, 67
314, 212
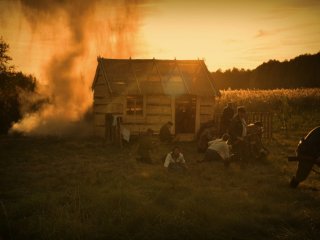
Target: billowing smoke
81, 30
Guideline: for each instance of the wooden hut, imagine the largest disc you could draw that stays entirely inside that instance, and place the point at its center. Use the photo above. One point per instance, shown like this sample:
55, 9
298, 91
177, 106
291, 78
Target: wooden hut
146, 93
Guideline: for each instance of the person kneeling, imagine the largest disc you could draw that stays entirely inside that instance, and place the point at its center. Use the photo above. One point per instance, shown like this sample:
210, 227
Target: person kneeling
175, 161
218, 150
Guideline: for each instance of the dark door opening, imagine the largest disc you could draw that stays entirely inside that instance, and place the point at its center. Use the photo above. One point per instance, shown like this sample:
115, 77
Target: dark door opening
185, 114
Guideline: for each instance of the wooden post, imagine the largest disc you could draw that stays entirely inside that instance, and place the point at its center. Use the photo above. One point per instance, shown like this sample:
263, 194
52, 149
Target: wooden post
173, 113
197, 127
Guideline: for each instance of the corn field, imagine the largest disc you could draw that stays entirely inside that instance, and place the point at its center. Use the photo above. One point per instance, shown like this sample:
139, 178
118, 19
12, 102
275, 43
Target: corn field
291, 107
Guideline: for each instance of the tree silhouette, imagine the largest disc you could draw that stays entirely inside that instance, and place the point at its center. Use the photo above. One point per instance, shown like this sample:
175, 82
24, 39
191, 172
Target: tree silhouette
13, 85
300, 72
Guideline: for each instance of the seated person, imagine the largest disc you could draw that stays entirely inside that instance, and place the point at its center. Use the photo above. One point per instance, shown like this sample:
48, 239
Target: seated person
165, 132
206, 136
145, 147
175, 160
218, 150
254, 139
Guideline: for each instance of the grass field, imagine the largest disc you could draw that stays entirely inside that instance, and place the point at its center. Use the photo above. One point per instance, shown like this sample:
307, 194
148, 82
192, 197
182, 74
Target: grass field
82, 188
64, 188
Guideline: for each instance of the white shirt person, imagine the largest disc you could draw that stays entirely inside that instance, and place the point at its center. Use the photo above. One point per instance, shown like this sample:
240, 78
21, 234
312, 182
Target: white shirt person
175, 160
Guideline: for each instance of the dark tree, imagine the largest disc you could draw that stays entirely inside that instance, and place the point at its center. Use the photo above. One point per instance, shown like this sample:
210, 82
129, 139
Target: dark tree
300, 72
12, 86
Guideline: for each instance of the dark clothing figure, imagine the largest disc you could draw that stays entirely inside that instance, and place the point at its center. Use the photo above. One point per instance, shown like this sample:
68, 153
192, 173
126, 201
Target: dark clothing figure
165, 133
210, 124
212, 155
257, 150
205, 137
145, 147
236, 129
226, 119
237, 132
308, 154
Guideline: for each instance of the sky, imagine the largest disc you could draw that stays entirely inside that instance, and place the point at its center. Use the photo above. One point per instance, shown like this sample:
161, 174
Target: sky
226, 33
59, 41
230, 33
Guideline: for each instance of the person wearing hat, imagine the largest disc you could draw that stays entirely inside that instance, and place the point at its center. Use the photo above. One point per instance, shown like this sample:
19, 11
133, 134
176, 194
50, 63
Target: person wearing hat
226, 119
165, 132
238, 133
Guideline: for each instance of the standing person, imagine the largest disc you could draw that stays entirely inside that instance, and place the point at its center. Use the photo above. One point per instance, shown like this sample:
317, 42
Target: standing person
145, 147
238, 132
218, 150
226, 118
165, 132
175, 160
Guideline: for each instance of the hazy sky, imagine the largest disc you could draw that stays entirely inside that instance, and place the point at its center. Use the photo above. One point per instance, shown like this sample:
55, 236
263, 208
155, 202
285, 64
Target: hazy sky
226, 33
231, 33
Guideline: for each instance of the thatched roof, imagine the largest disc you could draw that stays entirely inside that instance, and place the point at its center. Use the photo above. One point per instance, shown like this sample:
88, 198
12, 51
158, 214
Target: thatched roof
151, 76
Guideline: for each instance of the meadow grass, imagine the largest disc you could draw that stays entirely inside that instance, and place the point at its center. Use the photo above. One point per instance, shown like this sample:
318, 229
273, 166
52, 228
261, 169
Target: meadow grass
68, 188
83, 188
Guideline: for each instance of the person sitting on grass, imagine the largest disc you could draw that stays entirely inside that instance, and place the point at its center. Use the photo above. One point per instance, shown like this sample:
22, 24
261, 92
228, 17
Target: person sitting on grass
218, 150
175, 160
165, 132
254, 138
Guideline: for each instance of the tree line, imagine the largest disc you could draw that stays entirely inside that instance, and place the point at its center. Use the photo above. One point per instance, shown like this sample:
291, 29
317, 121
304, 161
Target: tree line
17, 91
300, 72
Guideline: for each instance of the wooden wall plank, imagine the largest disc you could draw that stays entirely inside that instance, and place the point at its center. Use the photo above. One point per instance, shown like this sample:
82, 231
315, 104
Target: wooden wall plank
134, 119
207, 100
198, 111
109, 108
158, 110
158, 119
173, 114
206, 110
99, 131
160, 100
101, 91
99, 119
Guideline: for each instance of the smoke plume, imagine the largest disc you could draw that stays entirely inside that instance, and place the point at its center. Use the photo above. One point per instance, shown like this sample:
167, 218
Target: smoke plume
80, 30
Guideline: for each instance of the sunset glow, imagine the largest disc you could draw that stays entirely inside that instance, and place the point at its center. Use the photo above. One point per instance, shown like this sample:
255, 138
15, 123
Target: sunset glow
59, 41
225, 33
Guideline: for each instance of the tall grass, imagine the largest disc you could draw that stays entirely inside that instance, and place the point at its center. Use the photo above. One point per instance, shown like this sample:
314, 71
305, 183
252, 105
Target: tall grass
64, 188
291, 107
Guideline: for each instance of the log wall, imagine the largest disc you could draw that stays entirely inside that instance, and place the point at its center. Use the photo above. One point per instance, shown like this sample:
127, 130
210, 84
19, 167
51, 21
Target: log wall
157, 110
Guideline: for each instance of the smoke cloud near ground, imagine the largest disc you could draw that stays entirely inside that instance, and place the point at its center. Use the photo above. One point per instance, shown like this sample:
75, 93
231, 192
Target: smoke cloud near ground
80, 30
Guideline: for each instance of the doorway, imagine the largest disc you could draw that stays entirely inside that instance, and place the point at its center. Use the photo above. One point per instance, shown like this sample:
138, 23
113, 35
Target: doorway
185, 114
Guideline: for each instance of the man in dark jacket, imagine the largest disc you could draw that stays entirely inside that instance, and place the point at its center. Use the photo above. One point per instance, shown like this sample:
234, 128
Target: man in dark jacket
238, 132
226, 119
165, 132
308, 154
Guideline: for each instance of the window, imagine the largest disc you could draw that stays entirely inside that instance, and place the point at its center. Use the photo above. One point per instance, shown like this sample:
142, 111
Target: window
134, 105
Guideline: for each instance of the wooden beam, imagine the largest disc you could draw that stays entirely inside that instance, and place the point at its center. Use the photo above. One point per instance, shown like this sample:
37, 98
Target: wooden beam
197, 124
173, 113
209, 78
182, 77
135, 76
104, 73
155, 64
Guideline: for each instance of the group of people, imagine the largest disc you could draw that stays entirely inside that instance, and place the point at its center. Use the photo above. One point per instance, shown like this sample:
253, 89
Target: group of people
236, 141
